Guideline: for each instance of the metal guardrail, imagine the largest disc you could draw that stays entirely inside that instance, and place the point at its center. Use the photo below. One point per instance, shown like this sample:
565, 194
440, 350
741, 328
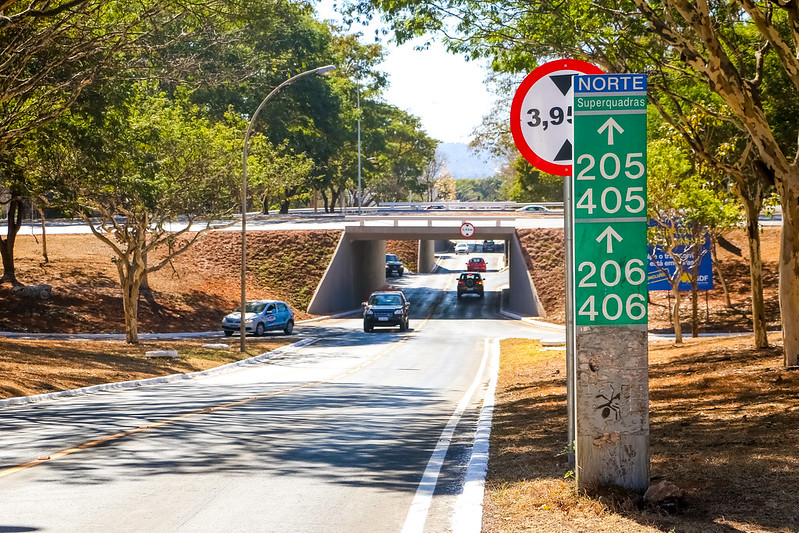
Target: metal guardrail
466, 206
395, 221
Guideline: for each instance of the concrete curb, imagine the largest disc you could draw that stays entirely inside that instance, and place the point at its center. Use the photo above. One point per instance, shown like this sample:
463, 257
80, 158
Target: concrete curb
145, 336
468, 512
533, 322
25, 400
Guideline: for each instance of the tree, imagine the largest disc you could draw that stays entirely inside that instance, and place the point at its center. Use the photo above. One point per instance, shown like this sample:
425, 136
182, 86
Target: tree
50, 52
139, 167
406, 150
229, 52
445, 185
685, 209
532, 185
272, 170
479, 190
739, 50
434, 168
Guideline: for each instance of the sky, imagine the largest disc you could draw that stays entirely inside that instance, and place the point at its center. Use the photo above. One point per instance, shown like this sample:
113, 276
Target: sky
445, 91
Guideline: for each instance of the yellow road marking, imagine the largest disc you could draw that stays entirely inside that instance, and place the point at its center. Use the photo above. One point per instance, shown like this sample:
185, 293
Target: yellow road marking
227, 405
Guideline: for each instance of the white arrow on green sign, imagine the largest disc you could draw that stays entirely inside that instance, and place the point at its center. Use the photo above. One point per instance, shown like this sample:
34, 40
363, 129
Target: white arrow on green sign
609, 192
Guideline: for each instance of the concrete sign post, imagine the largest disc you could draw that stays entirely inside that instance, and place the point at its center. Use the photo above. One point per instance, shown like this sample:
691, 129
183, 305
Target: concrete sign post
610, 280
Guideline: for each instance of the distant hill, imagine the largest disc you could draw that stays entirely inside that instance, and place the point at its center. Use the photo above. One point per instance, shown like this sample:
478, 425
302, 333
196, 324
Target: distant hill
464, 163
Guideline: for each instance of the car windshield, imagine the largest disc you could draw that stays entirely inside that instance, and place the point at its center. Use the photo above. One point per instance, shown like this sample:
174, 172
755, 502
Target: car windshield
470, 276
391, 257
477, 260
385, 299
255, 307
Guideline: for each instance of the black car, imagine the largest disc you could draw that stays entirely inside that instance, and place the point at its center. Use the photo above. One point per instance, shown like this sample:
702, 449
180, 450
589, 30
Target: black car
470, 283
386, 308
393, 265
489, 246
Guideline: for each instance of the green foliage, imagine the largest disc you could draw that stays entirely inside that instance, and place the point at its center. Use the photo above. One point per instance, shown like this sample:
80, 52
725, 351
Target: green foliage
397, 152
532, 185
140, 154
275, 170
479, 190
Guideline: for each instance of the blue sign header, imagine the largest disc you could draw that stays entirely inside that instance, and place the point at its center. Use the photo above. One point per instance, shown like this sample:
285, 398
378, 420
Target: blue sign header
610, 83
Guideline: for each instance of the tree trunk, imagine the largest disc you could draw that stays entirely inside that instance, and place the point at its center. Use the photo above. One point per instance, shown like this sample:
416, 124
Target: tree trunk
756, 281
722, 280
284, 207
333, 200
789, 274
265, 205
756, 273
695, 297
675, 313
44, 235
130, 280
7, 244
324, 200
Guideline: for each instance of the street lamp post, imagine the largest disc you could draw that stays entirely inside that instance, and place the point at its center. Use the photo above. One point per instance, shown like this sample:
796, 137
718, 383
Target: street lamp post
242, 309
360, 197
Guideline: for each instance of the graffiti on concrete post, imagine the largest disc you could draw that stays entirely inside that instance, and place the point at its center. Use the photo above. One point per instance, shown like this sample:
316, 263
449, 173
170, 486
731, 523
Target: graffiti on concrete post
610, 405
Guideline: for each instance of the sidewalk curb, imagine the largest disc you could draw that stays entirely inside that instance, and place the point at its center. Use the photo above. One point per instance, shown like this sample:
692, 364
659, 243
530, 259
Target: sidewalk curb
25, 400
145, 336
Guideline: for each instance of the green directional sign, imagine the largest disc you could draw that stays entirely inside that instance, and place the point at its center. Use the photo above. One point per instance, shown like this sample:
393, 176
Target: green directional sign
609, 195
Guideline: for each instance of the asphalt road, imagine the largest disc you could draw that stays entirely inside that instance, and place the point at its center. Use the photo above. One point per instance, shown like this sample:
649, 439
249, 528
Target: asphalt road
332, 436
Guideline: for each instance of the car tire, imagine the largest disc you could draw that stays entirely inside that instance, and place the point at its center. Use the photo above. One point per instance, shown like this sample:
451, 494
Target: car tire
404, 325
289, 327
228, 333
459, 296
259, 329
367, 327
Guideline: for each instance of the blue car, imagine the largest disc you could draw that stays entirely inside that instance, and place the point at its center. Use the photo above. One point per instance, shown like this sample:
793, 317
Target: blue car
261, 316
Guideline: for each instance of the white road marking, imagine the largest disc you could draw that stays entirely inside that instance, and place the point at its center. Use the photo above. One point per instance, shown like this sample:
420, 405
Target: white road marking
420, 507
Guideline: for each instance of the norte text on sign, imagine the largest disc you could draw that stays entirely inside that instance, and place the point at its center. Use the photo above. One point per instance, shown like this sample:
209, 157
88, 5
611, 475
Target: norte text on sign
609, 185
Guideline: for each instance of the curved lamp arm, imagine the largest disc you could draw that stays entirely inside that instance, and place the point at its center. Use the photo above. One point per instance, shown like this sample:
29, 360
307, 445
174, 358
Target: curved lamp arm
242, 328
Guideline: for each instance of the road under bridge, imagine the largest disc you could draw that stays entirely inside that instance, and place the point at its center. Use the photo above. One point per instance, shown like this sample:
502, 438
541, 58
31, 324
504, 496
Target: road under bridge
358, 264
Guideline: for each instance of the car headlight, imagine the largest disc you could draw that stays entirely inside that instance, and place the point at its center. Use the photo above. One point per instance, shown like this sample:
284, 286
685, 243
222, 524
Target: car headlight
369, 312
398, 312
248, 321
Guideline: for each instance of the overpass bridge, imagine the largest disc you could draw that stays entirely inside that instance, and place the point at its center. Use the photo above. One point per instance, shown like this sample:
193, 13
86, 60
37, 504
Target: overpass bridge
358, 265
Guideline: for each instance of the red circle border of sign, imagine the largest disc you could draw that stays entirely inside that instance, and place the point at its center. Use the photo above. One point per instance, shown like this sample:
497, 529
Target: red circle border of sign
583, 67
474, 230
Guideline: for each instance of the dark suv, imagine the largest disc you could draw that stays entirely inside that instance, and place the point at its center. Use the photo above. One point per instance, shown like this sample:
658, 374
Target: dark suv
489, 246
386, 308
470, 283
393, 265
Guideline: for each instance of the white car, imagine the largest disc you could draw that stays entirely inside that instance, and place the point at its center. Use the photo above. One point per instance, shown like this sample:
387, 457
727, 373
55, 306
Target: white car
461, 248
533, 209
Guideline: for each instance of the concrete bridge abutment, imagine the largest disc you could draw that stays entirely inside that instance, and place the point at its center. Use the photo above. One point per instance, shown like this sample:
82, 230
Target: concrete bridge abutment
358, 264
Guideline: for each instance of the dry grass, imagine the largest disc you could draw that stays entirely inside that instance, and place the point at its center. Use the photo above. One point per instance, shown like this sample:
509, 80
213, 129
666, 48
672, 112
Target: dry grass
29, 367
724, 427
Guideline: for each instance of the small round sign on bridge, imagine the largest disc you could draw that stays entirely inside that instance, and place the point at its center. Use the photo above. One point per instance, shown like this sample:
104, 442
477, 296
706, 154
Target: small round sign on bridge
467, 229
541, 115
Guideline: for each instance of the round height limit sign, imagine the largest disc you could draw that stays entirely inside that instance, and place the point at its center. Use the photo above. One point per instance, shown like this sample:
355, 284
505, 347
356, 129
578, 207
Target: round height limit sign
542, 115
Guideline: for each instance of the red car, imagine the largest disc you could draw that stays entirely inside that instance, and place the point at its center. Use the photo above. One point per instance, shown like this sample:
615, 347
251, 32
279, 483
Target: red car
476, 264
